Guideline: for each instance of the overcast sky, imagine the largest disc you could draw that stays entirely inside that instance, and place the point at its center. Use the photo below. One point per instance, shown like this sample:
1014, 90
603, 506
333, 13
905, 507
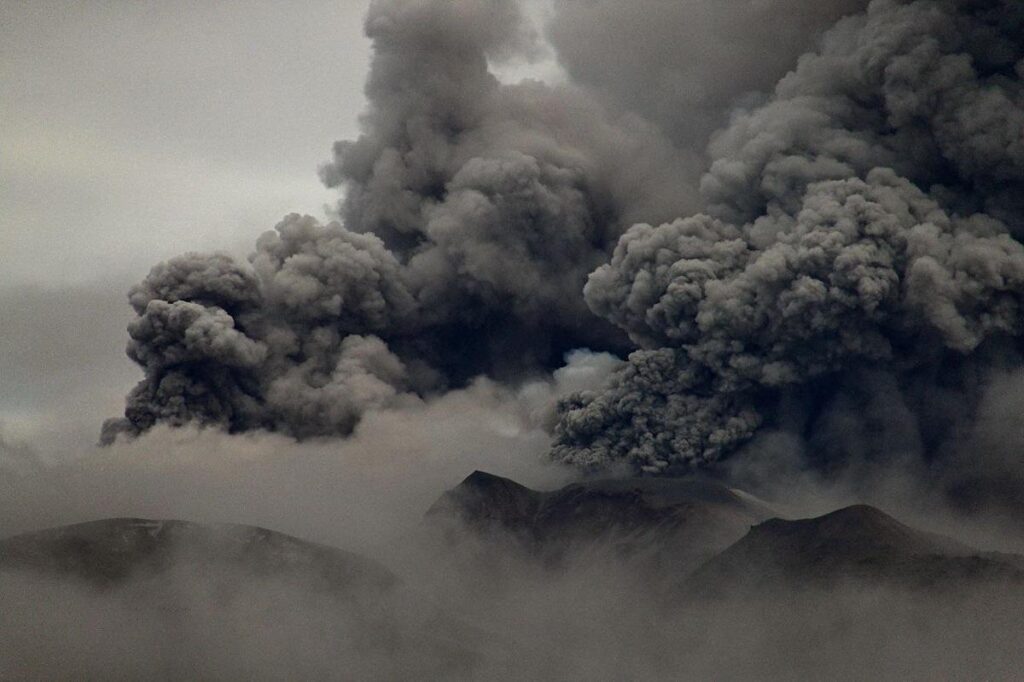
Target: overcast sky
131, 132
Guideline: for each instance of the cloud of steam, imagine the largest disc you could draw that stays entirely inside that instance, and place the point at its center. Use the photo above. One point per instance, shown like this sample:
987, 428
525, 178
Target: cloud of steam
224, 623
473, 213
593, 618
860, 223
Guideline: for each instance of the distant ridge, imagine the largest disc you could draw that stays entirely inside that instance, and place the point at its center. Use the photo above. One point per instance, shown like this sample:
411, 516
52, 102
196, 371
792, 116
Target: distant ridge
108, 551
677, 521
483, 498
855, 543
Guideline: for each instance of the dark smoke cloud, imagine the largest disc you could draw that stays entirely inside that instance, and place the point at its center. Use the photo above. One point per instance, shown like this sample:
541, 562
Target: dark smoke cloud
863, 217
685, 64
474, 211
854, 278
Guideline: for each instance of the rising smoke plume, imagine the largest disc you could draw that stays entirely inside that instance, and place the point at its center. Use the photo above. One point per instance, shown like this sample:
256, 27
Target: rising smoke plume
853, 242
864, 217
685, 64
474, 211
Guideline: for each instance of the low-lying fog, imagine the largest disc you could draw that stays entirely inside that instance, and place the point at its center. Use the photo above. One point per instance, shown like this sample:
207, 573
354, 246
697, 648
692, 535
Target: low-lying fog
479, 609
584, 622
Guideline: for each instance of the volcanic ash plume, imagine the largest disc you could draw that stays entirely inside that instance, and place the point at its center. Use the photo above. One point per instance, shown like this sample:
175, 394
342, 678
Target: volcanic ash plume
865, 216
684, 64
854, 278
474, 211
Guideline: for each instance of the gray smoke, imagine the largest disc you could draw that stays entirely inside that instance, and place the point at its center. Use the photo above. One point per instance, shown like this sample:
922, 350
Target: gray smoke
473, 213
863, 217
853, 278
685, 64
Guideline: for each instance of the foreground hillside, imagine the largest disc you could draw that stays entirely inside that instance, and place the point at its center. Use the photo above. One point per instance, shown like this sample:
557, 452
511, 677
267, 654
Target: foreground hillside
611, 579
109, 551
855, 544
656, 524
134, 598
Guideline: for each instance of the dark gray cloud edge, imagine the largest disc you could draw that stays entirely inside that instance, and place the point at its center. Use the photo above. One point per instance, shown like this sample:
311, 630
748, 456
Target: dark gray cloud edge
858, 234
474, 211
686, 64
862, 219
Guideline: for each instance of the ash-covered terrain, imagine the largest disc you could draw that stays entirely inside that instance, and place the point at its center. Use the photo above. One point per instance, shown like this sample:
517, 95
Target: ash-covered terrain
168, 599
639, 578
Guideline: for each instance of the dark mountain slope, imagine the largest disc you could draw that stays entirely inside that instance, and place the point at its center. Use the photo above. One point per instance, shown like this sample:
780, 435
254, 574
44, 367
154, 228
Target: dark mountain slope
216, 602
111, 550
857, 543
675, 521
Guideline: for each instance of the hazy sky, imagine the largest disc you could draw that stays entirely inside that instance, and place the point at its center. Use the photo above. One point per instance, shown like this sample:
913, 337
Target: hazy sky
131, 132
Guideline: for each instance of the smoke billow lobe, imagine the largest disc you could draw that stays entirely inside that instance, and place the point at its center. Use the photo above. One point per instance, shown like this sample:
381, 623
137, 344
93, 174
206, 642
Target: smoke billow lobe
855, 236
863, 216
685, 64
473, 213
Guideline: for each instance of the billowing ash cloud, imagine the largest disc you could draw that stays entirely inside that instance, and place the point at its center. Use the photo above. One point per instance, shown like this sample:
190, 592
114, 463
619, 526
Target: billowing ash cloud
474, 211
864, 217
848, 269
684, 64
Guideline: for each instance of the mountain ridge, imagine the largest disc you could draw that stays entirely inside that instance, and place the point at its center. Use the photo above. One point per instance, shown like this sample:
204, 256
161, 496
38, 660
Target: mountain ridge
854, 543
109, 551
657, 521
